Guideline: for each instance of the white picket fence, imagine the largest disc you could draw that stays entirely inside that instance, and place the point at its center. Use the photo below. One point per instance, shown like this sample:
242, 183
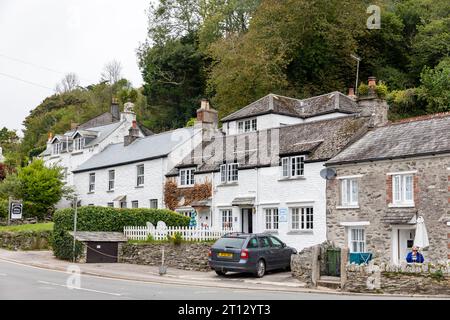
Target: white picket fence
187, 233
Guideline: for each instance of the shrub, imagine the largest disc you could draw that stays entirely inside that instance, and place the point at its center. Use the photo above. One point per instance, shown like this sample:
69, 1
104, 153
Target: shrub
176, 239
104, 219
363, 89
381, 90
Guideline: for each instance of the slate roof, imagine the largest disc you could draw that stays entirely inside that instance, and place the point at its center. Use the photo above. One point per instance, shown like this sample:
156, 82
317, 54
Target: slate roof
99, 236
318, 140
304, 108
151, 147
426, 136
397, 217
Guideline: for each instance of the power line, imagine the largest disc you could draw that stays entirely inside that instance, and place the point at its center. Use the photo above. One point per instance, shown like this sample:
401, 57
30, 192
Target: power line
25, 81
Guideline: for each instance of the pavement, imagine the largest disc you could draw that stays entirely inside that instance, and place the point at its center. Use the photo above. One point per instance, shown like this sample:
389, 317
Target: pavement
278, 282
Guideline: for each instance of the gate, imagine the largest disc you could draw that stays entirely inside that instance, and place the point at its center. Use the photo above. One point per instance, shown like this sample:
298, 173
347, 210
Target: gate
333, 262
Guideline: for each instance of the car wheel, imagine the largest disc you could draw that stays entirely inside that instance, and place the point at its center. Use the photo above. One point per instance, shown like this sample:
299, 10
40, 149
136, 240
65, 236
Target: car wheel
221, 273
260, 269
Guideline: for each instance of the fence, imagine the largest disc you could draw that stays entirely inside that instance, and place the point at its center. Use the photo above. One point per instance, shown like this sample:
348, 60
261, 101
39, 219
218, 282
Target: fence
187, 233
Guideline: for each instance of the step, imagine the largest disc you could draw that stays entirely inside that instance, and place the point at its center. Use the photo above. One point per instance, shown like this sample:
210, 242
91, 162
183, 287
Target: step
329, 282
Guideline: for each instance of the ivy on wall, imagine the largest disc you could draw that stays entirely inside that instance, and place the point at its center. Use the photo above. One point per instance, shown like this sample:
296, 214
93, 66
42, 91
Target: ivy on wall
173, 194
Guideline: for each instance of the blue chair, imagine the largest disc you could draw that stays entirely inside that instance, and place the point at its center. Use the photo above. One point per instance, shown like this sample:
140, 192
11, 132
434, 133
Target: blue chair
360, 257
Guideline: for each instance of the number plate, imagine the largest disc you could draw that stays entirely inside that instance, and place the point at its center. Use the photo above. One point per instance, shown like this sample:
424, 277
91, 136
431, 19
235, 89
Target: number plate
225, 254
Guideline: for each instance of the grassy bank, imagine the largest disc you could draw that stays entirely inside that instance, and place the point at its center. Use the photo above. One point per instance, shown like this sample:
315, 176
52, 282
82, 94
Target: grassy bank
28, 227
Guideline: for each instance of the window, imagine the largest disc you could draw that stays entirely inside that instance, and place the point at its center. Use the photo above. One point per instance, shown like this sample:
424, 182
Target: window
357, 240
57, 147
264, 242
135, 204
302, 218
229, 172
91, 182
253, 243
110, 204
349, 192
78, 144
276, 242
247, 125
111, 179
227, 219
187, 177
402, 189
154, 203
271, 215
123, 204
293, 166
140, 175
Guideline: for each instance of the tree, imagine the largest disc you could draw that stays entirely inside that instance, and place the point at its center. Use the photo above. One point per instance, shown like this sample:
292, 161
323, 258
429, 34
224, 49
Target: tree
435, 87
69, 83
112, 72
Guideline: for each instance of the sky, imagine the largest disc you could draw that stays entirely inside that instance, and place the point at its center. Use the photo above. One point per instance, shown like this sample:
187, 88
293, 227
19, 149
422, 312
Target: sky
40, 41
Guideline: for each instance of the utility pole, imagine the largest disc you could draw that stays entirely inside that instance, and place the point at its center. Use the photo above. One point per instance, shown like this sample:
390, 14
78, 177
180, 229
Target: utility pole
9, 210
75, 226
358, 59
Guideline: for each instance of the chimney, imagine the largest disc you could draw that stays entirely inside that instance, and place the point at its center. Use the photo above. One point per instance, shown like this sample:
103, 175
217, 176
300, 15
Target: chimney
115, 109
50, 136
205, 114
351, 93
373, 107
74, 126
133, 134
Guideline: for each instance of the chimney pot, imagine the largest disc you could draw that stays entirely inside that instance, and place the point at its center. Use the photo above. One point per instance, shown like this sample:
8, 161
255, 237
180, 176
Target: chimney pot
134, 124
372, 81
204, 104
50, 136
351, 92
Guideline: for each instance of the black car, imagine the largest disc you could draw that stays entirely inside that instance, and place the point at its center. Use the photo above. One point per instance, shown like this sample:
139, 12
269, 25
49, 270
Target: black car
255, 253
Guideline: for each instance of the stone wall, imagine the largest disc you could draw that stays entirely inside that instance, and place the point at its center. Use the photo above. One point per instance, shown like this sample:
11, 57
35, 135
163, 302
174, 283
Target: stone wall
187, 256
25, 240
406, 279
431, 197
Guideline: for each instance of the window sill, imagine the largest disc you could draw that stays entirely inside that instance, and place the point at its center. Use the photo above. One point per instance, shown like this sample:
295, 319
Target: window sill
229, 184
292, 178
77, 152
271, 231
401, 205
185, 186
91, 192
55, 156
110, 191
347, 207
298, 232
139, 187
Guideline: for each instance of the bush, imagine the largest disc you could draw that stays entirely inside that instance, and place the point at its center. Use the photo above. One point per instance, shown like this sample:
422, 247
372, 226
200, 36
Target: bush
104, 219
176, 239
363, 89
381, 90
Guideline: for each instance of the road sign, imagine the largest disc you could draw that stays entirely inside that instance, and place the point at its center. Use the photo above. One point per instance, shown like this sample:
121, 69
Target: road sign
15, 209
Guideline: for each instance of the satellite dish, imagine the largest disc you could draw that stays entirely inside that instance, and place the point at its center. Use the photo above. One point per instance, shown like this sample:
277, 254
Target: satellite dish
328, 173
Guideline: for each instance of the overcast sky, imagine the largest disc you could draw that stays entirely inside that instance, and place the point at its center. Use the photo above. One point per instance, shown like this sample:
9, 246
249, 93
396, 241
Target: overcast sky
64, 36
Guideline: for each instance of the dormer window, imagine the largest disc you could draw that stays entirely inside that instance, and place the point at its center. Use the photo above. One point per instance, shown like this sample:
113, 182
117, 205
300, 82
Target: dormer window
229, 173
78, 144
247, 125
292, 167
187, 177
57, 147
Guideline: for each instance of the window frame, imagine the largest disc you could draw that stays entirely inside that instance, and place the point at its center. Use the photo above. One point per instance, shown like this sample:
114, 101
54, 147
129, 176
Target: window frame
357, 242
140, 177
187, 175
290, 166
229, 172
247, 125
135, 204
226, 216
91, 182
78, 144
57, 148
302, 213
399, 192
348, 186
111, 182
273, 223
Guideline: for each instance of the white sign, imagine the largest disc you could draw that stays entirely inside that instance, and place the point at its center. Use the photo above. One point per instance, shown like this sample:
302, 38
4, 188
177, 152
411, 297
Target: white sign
15, 210
282, 215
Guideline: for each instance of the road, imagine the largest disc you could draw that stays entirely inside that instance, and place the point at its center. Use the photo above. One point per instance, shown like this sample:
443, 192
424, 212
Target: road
19, 281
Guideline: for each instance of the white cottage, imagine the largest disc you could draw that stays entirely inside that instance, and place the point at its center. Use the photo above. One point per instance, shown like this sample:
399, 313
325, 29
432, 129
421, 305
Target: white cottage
71, 149
131, 174
264, 170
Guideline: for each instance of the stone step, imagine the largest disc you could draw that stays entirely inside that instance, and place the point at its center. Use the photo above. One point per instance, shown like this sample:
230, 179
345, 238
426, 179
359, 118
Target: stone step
329, 282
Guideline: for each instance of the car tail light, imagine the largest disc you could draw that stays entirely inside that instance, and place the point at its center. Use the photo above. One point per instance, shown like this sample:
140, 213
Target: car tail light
244, 254
209, 253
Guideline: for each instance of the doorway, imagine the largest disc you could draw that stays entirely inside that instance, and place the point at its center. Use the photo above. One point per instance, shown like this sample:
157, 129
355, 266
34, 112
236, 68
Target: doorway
247, 220
403, 243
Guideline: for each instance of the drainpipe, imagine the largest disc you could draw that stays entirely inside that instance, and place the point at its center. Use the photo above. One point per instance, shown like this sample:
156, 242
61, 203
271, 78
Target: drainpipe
163, 205
256, 220
212, 209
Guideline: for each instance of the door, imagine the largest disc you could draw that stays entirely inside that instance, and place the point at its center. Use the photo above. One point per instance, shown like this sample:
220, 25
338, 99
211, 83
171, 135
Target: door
101, 252
406, 242
282, 255
247, 220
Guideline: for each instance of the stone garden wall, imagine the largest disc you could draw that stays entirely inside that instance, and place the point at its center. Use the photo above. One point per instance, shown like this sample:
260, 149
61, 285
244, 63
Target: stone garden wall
25, 240
406, 279
186, 256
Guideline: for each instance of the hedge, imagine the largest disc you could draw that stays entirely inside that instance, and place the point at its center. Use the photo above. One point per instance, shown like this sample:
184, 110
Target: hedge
104, 219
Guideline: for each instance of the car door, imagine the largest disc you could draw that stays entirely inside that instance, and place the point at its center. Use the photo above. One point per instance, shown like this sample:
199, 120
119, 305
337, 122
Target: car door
278, 253
285, 252
265, 250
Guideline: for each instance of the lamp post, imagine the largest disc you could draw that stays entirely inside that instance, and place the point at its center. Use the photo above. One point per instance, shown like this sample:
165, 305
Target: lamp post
75, 226
358, 59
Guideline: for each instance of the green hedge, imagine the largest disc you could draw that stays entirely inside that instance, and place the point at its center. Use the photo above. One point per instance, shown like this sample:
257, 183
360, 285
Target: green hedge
104, 219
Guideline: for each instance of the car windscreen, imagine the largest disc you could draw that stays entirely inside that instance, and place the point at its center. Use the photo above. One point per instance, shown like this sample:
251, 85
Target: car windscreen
229, 243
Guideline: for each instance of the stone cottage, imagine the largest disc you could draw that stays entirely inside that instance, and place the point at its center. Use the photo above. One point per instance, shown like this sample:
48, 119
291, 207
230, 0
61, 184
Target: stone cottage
385, 181
263, 170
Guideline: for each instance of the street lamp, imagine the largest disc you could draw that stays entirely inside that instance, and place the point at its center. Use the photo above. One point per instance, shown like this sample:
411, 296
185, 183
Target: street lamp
358, 59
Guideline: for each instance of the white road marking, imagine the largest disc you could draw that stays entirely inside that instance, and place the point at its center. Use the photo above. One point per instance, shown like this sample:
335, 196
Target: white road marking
83, 289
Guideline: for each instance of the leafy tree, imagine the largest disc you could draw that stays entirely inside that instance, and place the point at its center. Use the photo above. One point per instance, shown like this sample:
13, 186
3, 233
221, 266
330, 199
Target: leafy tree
435, 87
